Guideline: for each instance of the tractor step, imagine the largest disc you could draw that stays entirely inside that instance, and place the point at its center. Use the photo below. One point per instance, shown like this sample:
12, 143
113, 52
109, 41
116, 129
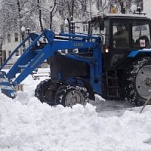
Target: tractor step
6, 87
112, 87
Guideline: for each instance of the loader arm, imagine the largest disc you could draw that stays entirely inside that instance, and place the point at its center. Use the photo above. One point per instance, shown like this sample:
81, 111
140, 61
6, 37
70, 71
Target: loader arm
34, 55
32, 36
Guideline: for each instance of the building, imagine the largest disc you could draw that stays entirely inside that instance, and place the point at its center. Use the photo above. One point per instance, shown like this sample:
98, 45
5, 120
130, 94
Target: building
10, 42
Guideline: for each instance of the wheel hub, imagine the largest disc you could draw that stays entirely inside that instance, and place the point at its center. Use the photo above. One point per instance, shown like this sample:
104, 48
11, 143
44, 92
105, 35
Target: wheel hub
147, 81
143, 81
74, 97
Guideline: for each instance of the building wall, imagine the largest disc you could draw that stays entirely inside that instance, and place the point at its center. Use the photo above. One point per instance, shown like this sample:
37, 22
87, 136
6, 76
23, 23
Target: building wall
10, 42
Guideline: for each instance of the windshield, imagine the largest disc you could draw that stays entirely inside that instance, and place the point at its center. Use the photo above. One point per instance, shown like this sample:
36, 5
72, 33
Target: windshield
95, 28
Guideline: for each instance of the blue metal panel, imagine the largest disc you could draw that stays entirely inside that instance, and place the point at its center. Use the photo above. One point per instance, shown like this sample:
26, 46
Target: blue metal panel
74, 36
25, 58
6, 86
134, 53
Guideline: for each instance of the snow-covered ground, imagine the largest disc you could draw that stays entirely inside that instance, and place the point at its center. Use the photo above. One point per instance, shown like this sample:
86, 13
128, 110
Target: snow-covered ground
28, 125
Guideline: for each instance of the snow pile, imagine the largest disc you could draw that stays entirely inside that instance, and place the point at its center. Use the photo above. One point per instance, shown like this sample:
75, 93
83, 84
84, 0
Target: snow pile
28, 125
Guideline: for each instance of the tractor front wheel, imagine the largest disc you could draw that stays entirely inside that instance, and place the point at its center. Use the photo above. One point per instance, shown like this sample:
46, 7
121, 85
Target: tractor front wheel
69, 95
46, 91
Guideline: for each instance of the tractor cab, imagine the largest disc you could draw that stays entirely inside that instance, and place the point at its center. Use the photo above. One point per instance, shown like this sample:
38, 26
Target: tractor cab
121, 33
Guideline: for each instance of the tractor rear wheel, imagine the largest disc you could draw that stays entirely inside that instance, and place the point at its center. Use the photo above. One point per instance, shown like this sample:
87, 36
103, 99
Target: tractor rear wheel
69, 95
138, 83
46, 91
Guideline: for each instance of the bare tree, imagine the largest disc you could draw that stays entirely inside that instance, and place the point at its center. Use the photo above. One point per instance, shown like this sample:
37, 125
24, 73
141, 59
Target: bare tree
37, 14
14, 15
40, 14
52, 11
72, 8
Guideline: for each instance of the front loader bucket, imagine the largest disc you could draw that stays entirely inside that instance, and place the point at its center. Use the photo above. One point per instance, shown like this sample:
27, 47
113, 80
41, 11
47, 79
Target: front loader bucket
6, 87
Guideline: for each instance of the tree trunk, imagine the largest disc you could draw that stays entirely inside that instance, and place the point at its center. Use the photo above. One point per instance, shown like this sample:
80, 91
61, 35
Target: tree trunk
22, 33
51, 13
40, 15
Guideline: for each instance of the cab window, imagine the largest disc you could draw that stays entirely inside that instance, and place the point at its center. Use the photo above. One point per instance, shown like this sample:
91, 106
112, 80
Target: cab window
140, 34
95, 30
120, 35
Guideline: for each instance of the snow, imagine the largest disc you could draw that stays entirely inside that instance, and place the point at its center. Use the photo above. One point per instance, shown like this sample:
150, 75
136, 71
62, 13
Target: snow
147, 7
26, 124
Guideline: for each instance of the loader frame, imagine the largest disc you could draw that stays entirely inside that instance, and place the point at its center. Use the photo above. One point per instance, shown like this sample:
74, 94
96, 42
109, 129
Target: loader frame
34, 55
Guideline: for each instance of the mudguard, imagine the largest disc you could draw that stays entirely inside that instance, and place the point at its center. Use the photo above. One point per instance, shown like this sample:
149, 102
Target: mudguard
134, 53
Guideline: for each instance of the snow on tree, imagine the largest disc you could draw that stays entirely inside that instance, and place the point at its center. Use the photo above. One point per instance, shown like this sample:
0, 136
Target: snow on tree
40, 14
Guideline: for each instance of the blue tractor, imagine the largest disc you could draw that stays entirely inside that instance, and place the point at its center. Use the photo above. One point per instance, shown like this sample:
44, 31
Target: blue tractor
126, 56
103, 61
75, 64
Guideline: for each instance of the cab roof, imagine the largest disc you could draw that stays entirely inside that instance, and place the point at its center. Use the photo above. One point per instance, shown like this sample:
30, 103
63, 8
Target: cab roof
129, 16
122, 16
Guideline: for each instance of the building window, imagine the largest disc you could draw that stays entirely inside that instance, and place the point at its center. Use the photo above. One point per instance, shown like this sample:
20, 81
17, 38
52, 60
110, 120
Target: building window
85, 27
16, 37
8, 38
9, 52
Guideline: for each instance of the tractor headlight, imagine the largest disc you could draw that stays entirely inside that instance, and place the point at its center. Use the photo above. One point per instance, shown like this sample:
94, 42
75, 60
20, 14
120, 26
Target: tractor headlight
106, 49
